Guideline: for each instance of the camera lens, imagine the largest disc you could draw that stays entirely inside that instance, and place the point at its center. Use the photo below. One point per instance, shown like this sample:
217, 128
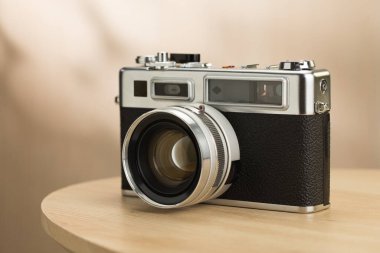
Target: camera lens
172, 156
179, 156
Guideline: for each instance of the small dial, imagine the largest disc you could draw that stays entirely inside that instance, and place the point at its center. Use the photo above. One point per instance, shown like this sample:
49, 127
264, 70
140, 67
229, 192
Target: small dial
297, 65
184, 58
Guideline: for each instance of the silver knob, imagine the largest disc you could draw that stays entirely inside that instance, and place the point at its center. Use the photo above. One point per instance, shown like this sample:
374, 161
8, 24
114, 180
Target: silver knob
163, 56
308, 64
160, 61
321, 107
142, 59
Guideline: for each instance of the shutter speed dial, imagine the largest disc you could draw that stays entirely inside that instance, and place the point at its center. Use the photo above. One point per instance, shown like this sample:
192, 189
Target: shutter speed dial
145, 59
163, 60
160, 61
297, 65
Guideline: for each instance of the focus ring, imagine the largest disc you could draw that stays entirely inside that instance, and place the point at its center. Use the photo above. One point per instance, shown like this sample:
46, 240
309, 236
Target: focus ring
219, 147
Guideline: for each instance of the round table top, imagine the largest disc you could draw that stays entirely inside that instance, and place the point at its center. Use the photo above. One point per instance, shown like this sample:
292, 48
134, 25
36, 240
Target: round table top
95, 217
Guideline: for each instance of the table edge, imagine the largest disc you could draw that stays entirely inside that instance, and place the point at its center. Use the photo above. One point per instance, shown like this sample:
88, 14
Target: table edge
64, 237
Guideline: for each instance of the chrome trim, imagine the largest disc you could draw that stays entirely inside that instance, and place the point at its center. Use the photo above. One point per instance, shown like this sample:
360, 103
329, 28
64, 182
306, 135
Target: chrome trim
236, 106
190, 88
254, 205
303, 88
267, 206
129, 193
322, 93
231, 70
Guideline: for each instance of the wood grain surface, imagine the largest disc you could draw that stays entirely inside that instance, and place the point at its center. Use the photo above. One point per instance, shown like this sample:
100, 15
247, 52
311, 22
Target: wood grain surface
94, 217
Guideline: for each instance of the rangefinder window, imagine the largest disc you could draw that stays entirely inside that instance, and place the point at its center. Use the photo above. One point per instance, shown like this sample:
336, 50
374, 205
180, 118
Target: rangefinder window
255, 92
172, 89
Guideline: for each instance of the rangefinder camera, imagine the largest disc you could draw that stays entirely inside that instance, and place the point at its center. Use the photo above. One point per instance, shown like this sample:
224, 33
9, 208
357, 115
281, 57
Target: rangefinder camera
240, 136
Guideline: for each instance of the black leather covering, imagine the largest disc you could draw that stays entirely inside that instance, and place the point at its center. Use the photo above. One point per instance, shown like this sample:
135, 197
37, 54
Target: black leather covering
284, 158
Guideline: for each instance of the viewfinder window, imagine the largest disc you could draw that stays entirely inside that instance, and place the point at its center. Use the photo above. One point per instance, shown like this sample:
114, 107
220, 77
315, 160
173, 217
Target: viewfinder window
171, 89
257, 92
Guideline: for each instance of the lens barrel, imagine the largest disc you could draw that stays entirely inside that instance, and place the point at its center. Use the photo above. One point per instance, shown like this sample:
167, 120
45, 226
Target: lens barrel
179, 156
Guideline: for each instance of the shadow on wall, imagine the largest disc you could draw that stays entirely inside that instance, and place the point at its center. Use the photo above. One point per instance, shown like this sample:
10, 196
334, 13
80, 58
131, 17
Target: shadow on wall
59, 71
59, 124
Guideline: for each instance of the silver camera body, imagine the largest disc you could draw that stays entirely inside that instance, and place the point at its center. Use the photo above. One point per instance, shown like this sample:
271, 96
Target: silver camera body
238, 136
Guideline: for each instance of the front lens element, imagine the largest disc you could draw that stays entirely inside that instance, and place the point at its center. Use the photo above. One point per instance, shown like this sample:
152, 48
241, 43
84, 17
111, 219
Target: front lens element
172, 157
167, 157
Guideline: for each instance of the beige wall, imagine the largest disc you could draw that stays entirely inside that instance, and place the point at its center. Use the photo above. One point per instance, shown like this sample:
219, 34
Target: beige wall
58, 75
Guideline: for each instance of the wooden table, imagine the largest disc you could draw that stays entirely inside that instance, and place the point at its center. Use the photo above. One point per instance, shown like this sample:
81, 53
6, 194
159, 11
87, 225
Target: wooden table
94, 217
